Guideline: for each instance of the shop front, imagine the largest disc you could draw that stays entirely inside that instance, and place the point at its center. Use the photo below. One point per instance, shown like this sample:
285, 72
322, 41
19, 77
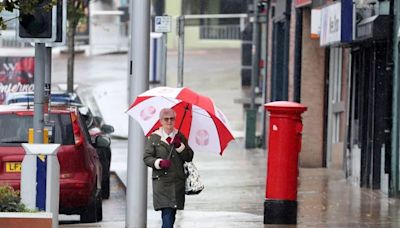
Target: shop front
370, 118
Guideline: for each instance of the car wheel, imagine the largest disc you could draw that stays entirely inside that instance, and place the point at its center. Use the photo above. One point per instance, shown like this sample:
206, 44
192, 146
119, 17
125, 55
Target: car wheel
91, 212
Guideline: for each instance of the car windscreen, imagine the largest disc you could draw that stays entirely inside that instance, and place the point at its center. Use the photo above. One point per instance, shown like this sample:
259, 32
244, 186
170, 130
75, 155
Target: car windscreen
14, 128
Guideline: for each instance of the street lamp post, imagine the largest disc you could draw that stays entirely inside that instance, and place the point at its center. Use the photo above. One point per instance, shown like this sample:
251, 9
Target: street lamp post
136, 192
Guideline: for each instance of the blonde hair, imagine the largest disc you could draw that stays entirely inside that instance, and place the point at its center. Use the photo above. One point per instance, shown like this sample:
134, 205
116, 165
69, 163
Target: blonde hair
166, 111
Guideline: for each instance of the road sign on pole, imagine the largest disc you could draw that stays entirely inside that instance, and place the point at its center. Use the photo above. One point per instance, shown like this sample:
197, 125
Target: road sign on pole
162, 24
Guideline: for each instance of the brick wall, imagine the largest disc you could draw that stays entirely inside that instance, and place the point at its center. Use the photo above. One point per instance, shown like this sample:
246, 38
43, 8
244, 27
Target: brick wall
312, 95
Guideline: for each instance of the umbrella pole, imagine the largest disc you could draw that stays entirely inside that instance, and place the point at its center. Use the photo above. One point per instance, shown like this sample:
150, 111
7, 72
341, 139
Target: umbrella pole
184, 114
180, 125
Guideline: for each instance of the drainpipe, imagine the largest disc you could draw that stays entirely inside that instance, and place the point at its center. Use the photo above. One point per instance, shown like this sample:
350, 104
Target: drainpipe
297, 54
264, 86
285, 70
394, 177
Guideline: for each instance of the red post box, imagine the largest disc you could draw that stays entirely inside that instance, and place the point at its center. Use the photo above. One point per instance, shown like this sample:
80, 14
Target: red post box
284, 145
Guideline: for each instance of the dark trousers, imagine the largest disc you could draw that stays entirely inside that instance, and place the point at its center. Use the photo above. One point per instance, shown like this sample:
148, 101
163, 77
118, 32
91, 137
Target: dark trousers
168, 217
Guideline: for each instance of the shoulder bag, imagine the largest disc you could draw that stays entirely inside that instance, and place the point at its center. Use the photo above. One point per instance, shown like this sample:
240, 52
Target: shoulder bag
193, 185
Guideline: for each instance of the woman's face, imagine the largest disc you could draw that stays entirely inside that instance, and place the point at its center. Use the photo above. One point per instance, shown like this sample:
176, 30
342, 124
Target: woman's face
168, 122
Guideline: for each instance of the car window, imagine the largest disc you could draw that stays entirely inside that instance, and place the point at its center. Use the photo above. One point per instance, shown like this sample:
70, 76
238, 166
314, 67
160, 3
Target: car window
14, 129
64, 133
84, 128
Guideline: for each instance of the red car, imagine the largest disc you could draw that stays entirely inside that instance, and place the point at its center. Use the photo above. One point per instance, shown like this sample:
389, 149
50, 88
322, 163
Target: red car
80, 168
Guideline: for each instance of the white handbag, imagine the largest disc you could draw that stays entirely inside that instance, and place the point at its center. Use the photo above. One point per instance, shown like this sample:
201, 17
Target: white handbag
193, 185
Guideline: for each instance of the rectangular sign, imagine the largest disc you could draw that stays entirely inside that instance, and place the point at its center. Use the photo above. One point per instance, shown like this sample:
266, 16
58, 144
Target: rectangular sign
347, 18
16, 75
162, 24
331, 24
315, 23
300, 3
13, 167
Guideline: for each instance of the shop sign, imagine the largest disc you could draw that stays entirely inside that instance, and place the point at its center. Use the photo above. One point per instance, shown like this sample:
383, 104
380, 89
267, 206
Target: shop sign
300, 3
331, 24
337, 23
315, 23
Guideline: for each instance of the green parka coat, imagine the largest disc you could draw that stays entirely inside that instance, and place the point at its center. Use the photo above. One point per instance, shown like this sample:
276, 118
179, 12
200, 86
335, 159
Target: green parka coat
168, 184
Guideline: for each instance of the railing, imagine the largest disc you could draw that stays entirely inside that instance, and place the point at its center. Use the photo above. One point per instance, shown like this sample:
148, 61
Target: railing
220, 32
8, 39
218, 26
107, 33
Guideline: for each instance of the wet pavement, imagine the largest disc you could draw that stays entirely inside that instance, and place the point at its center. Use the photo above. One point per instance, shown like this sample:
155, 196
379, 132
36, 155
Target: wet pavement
234, 196
235, 182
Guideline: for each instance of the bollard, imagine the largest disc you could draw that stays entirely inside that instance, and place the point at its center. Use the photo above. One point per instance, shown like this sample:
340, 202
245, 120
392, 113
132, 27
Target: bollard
284, 145
29, 177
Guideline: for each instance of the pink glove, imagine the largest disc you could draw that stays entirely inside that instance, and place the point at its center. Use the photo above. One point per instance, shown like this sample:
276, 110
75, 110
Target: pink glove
177, 141
165, 164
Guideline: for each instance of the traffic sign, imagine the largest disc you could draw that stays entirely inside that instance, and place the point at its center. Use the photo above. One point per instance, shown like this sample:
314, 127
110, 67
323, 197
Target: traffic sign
162, 24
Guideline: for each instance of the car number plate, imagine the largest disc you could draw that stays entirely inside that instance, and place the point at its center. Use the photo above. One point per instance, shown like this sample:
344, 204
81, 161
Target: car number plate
13, 167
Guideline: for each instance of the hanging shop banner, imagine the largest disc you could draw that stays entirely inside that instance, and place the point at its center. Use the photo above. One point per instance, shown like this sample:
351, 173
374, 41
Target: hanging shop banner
16, 75
330, 24
301, 3
315, 23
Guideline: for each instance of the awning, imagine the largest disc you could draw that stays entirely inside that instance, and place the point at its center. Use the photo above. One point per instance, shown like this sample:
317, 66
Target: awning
376, 27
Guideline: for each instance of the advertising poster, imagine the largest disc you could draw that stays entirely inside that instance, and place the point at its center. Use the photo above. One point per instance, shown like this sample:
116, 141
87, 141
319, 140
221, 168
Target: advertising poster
16, 75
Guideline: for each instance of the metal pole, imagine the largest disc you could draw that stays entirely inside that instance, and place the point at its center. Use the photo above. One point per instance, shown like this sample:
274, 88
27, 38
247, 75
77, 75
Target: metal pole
136, 192
256, 55
38, 116
181, 49
251, 113
163, 80
394, 177
38, 123
53, 167
47, 83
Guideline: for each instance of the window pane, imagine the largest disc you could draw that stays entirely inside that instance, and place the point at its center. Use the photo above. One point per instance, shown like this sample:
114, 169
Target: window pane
14, 129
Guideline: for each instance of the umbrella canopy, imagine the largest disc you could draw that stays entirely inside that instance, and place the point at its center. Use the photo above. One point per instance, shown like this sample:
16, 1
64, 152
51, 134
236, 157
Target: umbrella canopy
202, 123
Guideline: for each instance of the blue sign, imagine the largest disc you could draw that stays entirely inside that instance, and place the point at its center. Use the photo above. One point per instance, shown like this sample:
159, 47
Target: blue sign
347, 21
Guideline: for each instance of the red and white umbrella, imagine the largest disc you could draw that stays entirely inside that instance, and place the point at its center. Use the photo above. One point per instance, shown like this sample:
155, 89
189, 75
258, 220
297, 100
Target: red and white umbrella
203, 124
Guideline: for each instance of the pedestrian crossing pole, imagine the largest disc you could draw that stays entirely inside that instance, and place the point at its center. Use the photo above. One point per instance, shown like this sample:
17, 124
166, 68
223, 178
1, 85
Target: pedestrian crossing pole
38, 123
